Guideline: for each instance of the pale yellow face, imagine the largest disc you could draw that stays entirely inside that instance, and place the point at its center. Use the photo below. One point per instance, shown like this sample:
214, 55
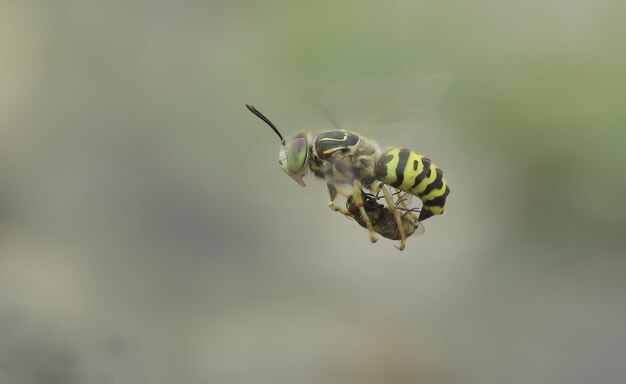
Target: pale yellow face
293, 158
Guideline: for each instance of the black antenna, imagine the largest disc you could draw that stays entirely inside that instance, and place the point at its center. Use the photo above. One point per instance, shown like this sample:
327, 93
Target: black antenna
267, 121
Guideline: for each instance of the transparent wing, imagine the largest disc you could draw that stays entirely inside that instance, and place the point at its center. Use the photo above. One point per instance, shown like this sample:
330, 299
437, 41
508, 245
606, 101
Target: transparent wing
371, 106
403, 203
403, 200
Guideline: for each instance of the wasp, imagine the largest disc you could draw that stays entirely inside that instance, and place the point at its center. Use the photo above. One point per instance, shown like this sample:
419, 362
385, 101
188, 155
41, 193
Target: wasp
343, 157
381, 218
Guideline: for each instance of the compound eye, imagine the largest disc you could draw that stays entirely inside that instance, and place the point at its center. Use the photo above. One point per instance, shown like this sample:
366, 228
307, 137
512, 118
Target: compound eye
297, 155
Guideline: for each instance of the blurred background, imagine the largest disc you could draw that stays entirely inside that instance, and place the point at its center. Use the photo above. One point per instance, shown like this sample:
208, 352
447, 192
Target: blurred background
147, 233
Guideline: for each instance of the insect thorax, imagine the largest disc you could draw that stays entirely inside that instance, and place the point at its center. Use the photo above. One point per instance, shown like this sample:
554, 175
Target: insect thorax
341, 156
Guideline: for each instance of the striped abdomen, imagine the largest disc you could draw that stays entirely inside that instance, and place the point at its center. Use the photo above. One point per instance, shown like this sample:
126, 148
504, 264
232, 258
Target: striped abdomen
413, 173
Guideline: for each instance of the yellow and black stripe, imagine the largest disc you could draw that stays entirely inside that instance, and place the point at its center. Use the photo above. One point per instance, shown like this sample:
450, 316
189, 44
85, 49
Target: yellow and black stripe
413, 173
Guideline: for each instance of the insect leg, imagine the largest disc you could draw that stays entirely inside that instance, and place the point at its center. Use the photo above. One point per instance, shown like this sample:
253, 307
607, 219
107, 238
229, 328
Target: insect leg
396, 215
401, 200
403, 203
358, 201
332, 192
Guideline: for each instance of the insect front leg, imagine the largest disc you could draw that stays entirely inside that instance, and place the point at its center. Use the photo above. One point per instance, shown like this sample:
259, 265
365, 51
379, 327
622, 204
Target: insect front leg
358, 201
332, 192
396, 214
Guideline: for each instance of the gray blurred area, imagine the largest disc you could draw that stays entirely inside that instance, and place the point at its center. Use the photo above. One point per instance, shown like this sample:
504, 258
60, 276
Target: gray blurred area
147, 234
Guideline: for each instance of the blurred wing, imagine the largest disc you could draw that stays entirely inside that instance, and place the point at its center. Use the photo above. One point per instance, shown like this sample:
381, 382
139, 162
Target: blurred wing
374, 105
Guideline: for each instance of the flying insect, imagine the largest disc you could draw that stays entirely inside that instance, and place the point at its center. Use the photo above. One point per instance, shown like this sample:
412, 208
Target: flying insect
343, 157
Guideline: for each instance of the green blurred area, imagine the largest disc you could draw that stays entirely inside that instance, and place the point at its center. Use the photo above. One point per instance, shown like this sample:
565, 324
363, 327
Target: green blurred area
148, 235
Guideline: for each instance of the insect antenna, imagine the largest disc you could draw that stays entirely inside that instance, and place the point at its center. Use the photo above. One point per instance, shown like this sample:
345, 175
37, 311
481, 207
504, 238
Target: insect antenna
267, 121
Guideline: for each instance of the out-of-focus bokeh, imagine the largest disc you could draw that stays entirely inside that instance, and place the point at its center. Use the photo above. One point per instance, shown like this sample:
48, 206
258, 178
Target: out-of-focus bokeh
147, 234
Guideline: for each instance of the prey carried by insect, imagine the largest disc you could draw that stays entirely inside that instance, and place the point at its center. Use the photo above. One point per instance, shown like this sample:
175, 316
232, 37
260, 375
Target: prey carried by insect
342, 157
381, 218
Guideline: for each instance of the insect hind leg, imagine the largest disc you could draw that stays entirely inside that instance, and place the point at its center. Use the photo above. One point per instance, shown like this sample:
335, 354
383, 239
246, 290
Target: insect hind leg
358, 201
391, 205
